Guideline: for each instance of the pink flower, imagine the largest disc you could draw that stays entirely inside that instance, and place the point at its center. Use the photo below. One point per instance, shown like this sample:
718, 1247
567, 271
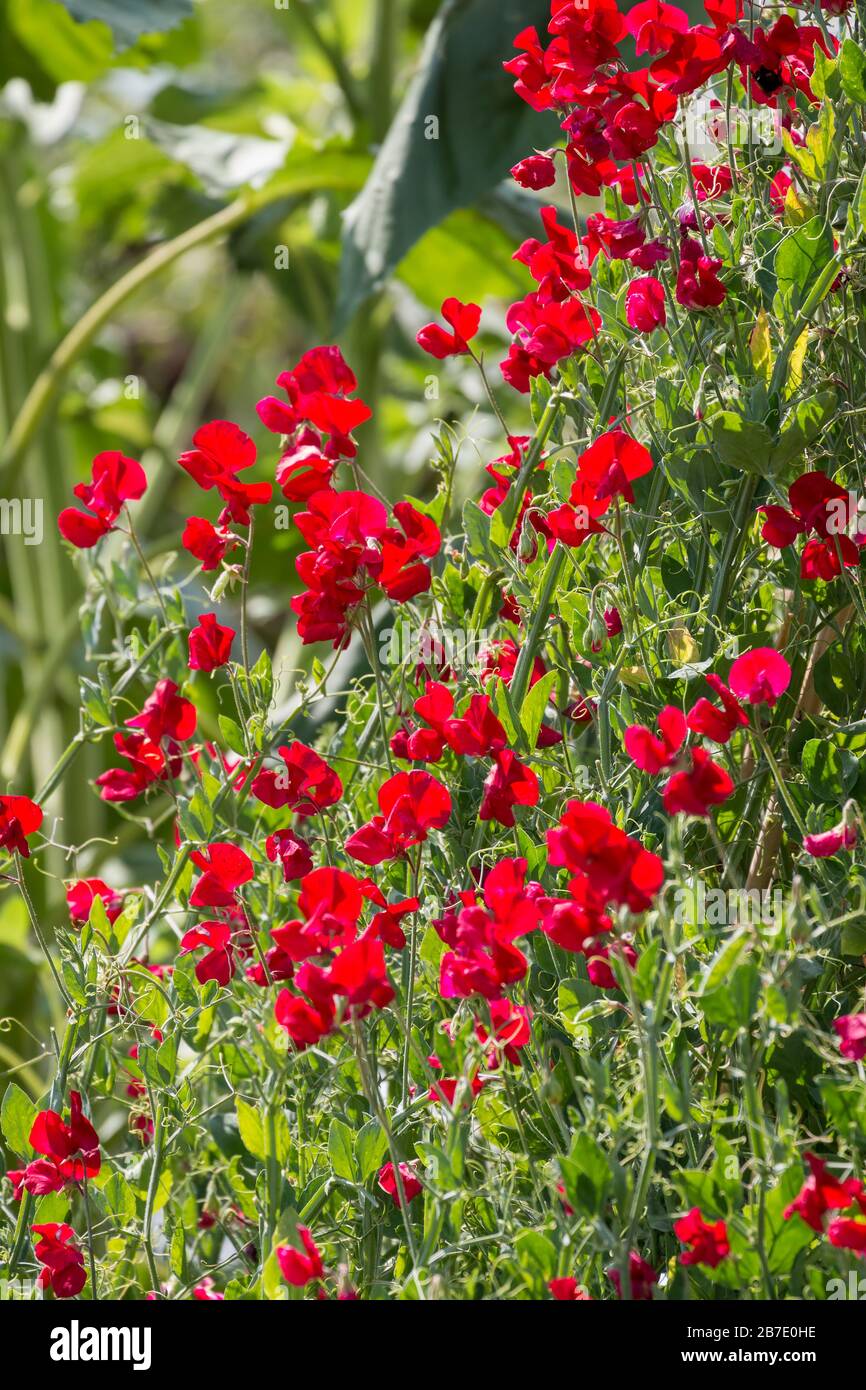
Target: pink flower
760, 676
828, 842
299, 1268
851, 1030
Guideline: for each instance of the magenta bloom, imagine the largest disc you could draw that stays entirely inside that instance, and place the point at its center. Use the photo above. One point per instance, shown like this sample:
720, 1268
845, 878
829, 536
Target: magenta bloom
645, 304
760, 676
852, 1036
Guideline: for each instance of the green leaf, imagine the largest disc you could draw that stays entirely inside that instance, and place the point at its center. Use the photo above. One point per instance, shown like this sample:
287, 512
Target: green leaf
220, 160
741, 443
441, 153
799, 261
129, 20
830, 771
370, 1148
534, 705
341, 1145
250, 1128
852, 66
16, 1119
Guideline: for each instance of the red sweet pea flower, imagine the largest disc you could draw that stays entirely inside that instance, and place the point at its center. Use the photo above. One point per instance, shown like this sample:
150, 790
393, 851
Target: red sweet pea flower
633, 130
510, 783
148, 765
165, 714
209, 544
698, 285
645, 304
717, 724
760, 676
299, 1268
536, 172
613, 463
307, 784
63, 1266
219, 963
224, 869
847, 1234
306, 1024
851, 1030
304, 470
464, 320
567, 1290
412, 804
115, 481
546, 332
694, 792
293, 853
318, 388
210, 645
576, 520
821, 1192
19, 818
222, 450
642, 1277
655, 25
359, 974
819, 505
708, 1245
652, 754
556, 264
386, 924
80, 897
330, 903
619, 868
387, 1180
71, 1152
206, 1293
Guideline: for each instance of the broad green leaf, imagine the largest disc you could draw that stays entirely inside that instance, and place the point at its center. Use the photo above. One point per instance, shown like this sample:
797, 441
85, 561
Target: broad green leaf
852, 67
341, 1145
440, 153
16, 1119
131, 18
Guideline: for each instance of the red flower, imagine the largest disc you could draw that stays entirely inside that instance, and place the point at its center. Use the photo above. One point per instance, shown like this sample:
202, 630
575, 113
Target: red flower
655, 25
546, 332
706, 784
165, 714
717, 724
71, 1152
305, 1023
536, 172
359, 974
511, 1031
207, 543
115, 480
219, 963
510, 783
224, 869
307, 784
210, 645
388, 1182
299, 1268
698, 285
411, 804
464, 320
760, 676
851, 1030
619, 868
708, 1245
819, 505
652, 754
567, 1290
613, 463
304, 470
821, 1192
149, 765
293, 853
645, 304
642, 1277
80, 897
847, 1234
19, 817
63, 1266
318, 388
221, 451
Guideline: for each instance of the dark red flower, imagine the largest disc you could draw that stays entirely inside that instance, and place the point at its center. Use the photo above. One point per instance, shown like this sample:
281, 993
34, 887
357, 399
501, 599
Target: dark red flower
717, 724
293, 853
210, 644
821, 1192
535, 172
165, 714
619, 868
698, 285
642, 1278
71, 1152
645, 304
693, 792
